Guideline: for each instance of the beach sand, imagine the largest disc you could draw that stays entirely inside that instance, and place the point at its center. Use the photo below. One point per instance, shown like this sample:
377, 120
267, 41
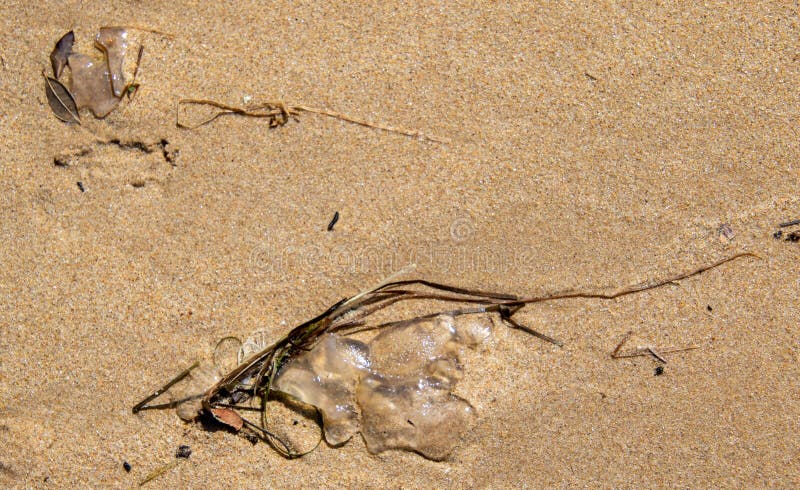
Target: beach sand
589, 147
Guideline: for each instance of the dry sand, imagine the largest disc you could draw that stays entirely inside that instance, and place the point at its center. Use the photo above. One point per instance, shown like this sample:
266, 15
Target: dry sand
590, 146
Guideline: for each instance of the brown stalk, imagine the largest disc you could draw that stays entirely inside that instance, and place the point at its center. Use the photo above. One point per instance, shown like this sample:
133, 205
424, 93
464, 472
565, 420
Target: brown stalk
279, 113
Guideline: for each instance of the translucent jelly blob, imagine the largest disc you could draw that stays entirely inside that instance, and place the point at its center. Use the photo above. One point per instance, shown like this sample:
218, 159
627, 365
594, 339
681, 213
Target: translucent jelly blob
91, 85
414, 414
396, 390
100, 84
189, 396
113, 41
326, 377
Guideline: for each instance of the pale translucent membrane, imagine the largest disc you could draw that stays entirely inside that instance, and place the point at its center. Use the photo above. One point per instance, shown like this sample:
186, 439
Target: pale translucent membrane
226, 354
415, 414
472, 330
197, 383
408, 348
91, 85
326, 378
257, 342
407, 402
397, 390
114, 42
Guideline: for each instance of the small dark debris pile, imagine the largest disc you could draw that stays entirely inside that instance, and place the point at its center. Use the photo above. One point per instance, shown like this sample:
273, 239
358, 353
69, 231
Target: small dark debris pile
183, 451
791, 236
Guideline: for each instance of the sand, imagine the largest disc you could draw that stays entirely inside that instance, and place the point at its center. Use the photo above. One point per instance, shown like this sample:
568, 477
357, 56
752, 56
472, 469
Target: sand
592, 146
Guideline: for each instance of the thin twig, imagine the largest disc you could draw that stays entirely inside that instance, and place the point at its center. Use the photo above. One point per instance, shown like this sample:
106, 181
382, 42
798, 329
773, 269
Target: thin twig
621, 342
646, 351
506, 314
160, 471
142, 405
362, 122
656, 355
637, 288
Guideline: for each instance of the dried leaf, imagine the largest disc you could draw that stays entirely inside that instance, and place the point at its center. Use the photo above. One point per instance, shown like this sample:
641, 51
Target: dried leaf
228, 417
61, 52
61, 101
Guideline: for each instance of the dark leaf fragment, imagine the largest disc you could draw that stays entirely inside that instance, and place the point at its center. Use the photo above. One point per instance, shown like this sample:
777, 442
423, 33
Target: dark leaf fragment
61, 101
61, 52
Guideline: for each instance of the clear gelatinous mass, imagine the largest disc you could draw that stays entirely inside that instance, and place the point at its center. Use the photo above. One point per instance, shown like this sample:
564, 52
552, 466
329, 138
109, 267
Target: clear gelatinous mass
113, 41
91, 85
396, 390
96, 84
188, 400
327, 378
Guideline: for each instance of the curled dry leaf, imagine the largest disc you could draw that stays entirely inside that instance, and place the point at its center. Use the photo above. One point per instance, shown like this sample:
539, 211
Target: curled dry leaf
61, 101
61, 53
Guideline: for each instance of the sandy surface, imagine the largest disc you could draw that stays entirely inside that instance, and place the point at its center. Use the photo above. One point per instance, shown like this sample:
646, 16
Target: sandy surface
590, 147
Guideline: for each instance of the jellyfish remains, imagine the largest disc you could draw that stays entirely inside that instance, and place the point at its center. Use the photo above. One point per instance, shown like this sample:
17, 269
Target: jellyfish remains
396, 390
98, 84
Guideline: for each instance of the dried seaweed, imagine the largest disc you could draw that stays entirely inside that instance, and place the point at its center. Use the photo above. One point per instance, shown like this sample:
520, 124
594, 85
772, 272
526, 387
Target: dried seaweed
275, 112
61, 101
279, 113
254, 378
